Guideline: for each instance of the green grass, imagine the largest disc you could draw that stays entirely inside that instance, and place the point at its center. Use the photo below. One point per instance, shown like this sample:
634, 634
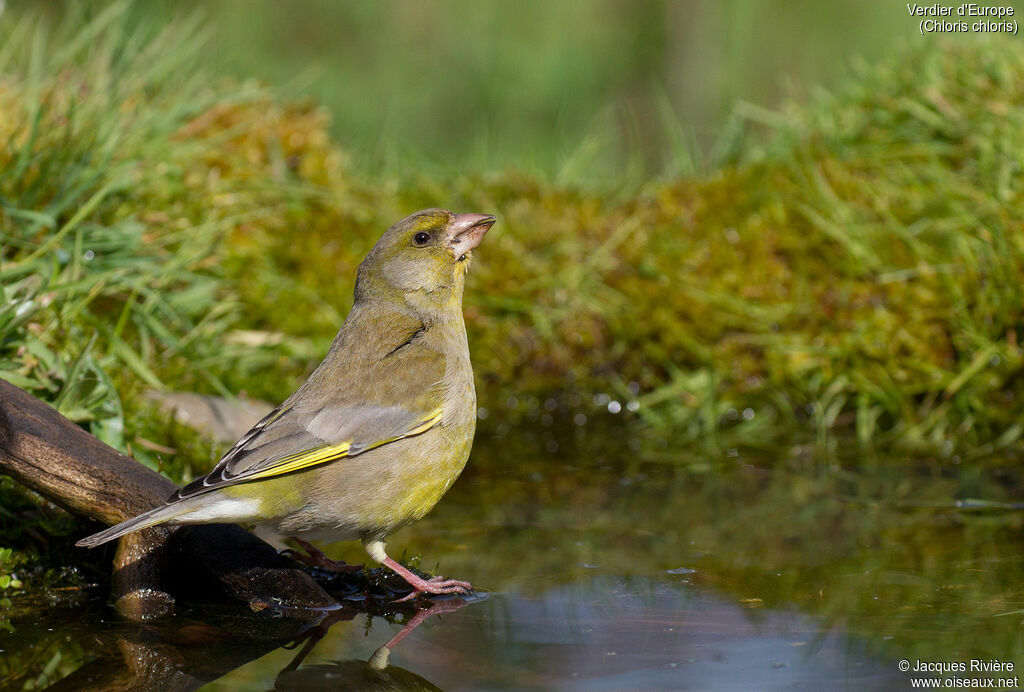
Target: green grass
849, 271
109, 238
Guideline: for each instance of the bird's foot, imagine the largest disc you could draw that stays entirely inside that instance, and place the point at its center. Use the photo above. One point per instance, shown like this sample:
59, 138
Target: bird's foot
434, 585
315, 557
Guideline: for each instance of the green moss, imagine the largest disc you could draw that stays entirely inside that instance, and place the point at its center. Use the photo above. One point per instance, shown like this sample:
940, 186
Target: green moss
852, 272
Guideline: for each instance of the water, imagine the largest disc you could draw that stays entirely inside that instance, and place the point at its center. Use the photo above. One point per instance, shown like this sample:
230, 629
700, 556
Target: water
601, 572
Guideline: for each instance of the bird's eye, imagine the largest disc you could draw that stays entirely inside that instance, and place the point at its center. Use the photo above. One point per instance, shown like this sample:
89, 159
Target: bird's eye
421, 238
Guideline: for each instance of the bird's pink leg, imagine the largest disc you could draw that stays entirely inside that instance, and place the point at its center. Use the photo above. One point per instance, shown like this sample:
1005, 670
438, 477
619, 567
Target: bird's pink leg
417, 619
434, 585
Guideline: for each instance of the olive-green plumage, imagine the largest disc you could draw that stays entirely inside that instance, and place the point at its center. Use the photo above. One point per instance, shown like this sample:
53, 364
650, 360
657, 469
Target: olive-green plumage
381, 429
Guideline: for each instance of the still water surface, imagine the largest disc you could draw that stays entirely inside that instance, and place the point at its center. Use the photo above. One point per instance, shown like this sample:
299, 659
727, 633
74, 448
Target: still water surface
599, 571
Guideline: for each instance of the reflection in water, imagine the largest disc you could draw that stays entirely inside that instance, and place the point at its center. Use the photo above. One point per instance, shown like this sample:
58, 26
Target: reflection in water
609, 634
609, 573
351, 675
189, 651
373, 674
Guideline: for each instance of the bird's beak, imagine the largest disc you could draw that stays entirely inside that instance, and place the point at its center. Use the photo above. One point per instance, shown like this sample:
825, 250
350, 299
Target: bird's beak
467, 230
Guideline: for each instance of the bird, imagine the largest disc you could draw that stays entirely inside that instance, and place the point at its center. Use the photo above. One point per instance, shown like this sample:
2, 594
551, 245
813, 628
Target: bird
380, 430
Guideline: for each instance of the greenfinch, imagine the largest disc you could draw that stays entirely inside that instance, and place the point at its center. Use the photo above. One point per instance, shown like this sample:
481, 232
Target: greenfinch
380, 430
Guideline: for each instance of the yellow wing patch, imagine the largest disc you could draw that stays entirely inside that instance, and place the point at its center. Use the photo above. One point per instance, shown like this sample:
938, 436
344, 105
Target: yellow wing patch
322, 455
301, 460
422, 428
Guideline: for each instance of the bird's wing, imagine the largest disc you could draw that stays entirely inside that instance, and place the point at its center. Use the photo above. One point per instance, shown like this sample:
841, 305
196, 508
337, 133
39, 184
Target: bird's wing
398, 396
379, 384
286, 441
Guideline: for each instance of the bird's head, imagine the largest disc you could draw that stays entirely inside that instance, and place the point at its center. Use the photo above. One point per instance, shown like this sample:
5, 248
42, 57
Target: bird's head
422, 259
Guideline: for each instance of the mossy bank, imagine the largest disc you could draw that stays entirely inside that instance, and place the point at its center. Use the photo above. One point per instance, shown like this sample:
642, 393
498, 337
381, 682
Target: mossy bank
851, 269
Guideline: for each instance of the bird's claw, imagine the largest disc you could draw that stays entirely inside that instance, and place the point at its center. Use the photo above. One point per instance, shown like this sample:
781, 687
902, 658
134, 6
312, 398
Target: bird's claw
436, 586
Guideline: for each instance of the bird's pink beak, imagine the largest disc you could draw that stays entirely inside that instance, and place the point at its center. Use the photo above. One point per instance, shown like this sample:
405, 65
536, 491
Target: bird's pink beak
467, 230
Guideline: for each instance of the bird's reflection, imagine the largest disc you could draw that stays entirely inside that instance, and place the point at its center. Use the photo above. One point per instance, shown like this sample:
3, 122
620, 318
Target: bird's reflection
188, 651
373, 674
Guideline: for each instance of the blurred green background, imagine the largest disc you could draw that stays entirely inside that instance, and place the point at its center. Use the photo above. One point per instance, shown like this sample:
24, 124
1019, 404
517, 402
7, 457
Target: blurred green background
589, 91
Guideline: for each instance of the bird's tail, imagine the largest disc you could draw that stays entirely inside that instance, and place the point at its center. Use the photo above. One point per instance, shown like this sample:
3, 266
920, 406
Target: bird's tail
143, 521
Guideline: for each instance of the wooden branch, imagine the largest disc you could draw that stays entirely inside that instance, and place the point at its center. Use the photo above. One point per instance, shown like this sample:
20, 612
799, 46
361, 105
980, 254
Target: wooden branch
49, 454
46, 452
